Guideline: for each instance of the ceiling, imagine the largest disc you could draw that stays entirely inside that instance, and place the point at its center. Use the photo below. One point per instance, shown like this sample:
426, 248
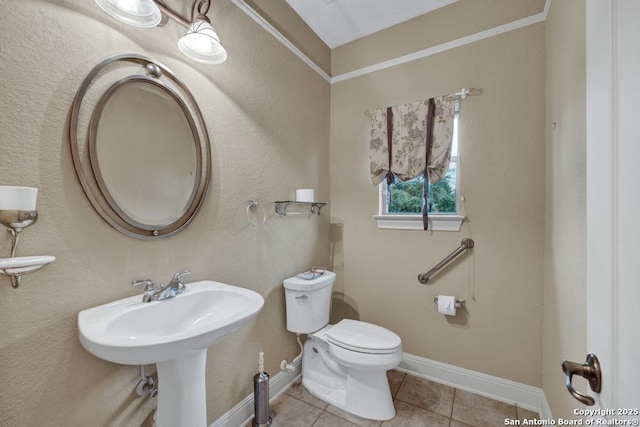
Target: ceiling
338, 22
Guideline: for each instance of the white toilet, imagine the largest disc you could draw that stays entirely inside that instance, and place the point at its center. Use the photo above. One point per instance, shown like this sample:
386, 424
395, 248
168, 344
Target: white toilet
344, 364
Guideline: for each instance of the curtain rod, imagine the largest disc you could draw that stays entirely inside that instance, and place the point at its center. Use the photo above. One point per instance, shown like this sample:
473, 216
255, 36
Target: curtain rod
461, 95
469, 92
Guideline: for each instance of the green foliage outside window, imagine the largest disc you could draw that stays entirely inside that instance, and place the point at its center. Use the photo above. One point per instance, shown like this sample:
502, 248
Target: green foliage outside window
408, 197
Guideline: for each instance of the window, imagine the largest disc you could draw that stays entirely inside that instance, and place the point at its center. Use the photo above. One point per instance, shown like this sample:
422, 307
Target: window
401, 203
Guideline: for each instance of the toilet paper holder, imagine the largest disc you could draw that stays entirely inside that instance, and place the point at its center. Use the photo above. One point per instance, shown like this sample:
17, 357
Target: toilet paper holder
460, 303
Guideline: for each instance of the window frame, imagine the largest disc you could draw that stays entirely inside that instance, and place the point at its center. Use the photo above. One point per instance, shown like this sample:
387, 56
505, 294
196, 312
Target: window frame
437, 221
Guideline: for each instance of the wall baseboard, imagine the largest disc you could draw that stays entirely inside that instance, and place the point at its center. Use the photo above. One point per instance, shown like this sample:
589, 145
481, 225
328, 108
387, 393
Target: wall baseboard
545, 411
525, 396
242, 413
496, 388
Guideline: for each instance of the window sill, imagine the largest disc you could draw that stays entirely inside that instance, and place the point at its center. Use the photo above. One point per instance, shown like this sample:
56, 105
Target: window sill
414, 222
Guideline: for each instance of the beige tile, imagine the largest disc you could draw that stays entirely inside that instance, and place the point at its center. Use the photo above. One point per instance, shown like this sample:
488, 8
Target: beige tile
330, 420
359, 421
288, 411
480, 411
455, 423
525, 414
412, 416
299, 392
395, 379
426, 394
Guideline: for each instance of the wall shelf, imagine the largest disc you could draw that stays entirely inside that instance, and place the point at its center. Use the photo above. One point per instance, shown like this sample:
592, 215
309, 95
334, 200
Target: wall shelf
15, 267
314, 207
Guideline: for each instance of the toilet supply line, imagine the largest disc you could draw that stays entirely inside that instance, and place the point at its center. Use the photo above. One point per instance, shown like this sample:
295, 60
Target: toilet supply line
290, 367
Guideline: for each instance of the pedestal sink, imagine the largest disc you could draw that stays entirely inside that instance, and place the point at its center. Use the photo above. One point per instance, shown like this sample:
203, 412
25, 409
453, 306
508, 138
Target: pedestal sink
174, 334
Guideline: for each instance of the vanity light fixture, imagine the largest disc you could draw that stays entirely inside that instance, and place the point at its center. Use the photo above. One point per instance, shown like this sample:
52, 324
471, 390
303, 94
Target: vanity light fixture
140, 13
201, 41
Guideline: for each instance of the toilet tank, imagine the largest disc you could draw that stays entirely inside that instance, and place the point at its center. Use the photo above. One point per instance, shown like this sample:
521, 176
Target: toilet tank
308, 302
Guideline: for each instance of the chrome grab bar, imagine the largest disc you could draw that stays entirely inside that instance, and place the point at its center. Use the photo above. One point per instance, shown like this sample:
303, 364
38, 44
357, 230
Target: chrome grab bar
464, 245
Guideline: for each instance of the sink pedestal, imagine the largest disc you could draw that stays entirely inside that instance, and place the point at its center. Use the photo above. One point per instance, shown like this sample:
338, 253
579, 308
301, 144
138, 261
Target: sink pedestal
182, 397
175, 335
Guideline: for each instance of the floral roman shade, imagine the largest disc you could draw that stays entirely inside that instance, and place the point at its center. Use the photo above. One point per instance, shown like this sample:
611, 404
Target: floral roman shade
404, 138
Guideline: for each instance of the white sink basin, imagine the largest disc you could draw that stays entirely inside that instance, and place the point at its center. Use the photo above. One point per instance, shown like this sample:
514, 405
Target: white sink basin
173, 333
132, 332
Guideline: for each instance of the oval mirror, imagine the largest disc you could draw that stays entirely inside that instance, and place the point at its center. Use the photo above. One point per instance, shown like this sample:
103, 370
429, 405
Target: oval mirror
142, 155
142, 143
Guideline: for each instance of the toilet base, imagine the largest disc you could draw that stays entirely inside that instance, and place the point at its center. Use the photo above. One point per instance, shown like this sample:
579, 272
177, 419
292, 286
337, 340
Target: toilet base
364, 393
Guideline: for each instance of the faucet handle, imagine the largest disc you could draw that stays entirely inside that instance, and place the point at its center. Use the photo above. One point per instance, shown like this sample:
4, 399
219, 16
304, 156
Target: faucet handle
148, 284
176, 281
178, 276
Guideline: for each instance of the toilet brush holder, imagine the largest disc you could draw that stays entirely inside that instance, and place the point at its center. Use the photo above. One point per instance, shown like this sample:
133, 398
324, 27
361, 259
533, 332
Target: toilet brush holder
261, 396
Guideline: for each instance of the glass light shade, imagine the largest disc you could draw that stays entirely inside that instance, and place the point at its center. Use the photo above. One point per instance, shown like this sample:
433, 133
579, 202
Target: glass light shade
140, 13
18, 198
201, 43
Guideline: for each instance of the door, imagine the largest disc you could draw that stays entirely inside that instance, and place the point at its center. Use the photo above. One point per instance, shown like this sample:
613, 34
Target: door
613, 201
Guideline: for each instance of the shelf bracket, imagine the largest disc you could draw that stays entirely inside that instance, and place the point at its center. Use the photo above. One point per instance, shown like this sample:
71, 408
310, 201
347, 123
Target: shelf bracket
314, 207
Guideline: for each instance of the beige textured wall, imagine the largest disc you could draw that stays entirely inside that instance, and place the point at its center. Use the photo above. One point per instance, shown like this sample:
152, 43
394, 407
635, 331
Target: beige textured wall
565, 233
279, 14
457, 20
268, 118
502, 167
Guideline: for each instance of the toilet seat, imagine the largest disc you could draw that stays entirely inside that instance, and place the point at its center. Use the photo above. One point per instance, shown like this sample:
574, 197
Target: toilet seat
363, 337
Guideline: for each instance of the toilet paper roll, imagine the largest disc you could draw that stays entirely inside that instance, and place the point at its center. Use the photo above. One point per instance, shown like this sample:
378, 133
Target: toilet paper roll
447, 305
305, 195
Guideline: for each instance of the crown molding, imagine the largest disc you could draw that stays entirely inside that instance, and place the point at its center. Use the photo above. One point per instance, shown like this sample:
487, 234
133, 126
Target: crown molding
453, 44
281, 38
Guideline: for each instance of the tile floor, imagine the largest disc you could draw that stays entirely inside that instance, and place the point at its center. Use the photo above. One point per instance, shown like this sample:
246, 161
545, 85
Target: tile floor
419, 403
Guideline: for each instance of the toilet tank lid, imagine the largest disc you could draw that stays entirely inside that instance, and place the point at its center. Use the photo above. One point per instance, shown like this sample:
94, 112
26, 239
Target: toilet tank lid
299, 284
363, 335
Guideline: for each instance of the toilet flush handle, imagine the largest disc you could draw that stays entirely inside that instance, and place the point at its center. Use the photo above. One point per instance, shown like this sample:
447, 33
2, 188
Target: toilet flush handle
303, 297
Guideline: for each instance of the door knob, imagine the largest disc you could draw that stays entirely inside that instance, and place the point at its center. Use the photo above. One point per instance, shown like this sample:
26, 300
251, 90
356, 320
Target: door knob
590, 370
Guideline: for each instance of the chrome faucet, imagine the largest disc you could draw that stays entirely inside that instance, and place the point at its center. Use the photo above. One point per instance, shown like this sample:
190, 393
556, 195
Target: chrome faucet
175, 286
153, 292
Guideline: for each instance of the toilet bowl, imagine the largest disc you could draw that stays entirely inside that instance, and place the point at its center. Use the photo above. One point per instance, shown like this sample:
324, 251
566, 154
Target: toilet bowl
349, 375
344, 364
